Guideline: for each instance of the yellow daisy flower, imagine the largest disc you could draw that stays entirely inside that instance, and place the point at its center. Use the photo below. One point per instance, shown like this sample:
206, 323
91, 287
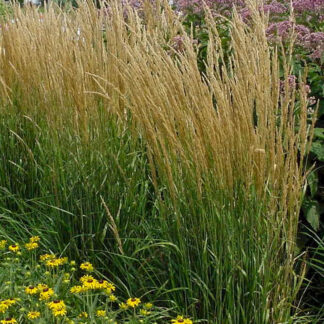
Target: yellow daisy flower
10, 301
90, 284
133, 302
3, 307
31, 290
181, 320
14, 248
87, 266
102, 284
46, 294
9, 320
41, 286
85, 278
31, 246
33, 315
3, 244
110, 288
59, 312
34, 239
56, 305
101, 313
62, 261
76, 290
45, 257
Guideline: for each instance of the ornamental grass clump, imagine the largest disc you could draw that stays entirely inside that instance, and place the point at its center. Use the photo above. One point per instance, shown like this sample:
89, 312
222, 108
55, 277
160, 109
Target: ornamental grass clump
203, 173
33, 291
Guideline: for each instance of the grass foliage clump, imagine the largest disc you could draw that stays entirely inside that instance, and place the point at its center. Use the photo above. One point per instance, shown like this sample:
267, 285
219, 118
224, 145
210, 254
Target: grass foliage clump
183, 185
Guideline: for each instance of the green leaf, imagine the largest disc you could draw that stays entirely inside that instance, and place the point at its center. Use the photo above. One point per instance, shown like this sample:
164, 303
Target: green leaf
319, 133
318, 150
312, 214
312, 181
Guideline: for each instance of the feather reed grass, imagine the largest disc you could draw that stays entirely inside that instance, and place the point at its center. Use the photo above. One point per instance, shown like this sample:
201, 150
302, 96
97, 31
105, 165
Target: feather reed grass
212, 165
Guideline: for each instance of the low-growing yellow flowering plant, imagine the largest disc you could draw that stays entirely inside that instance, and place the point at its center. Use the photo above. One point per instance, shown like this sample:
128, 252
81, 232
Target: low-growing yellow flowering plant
47, 289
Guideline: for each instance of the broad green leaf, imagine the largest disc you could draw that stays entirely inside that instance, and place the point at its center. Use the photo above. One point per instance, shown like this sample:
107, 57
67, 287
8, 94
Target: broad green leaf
319, 133
312, 214
318, 150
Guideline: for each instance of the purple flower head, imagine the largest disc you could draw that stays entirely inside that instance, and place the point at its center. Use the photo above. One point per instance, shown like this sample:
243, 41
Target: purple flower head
308, 5
283, 30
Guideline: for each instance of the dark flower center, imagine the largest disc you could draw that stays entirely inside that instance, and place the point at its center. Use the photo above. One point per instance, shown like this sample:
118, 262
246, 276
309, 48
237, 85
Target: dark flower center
89, 280
180, 321
31, 287
45, 289
133, 299
8, 319
13, 246
101, 281
56, 301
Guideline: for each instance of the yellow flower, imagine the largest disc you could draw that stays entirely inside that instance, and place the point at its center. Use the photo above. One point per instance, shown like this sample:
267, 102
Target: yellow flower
110, 288
32, 315
52, 263
9, 302
112, 298
34, 239
62, 261
181, 320
59, 312
123, 306
101, 313
76, 290
102, 284
9, 320
31, 246
31, 290
14, 248
85, 278
90, 284
47, 257
148, 305
87, 266
46, 294
41, 286
56, 305
133, 302
3, 244
83, 315
3, 307
144, 312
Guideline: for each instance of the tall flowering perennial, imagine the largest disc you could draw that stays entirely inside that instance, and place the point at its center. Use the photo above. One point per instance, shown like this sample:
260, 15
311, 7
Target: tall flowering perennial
307, 13
51, 291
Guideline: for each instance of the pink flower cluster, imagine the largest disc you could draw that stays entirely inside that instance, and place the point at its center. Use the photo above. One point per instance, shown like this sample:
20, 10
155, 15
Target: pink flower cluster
278, 10
284, 29
197, 6
308, 5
